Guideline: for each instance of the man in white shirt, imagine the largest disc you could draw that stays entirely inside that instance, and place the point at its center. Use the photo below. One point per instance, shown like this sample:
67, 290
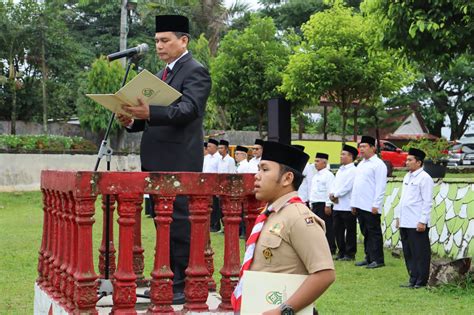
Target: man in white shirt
367, 197
226, 162
412, 216
319, 196
241, 156
257, 152
345, 225
211, 160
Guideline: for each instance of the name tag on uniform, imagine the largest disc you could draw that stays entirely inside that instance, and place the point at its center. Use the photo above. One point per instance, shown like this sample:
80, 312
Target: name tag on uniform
264, 291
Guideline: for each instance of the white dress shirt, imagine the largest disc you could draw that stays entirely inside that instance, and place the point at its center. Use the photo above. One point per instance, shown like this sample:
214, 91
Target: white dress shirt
320, 186
369, 184
416, 199
226, 165
254, 164
342, 187
210, 163
244, 167
304, 190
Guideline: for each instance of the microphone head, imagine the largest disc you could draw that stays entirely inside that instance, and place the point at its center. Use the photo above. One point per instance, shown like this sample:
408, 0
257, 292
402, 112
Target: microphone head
142, 49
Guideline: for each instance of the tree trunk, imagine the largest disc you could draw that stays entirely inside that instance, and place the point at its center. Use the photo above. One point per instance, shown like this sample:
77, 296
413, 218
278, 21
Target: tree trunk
325, 122
12, 79
300, 126
123, 30
43, 86
355, 124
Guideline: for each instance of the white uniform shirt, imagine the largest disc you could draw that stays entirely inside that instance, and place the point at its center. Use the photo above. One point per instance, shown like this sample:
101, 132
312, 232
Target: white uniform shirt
244, 167
254, 164
342, 187
320, 186
226, 165
210, 163
416, 199
369, 184
304, 190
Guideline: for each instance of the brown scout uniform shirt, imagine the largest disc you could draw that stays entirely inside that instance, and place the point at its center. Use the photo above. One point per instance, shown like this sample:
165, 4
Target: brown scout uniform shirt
292, 241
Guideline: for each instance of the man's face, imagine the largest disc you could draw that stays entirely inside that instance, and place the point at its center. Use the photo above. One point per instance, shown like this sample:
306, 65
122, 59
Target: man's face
366, 151
268, 183
205, 151
222, 149
412, 164
320, 163
240, 156
257, 151
346, 158
169, 47
211, 148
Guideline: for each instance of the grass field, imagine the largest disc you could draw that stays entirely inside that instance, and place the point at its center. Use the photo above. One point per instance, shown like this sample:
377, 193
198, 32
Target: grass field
356, 290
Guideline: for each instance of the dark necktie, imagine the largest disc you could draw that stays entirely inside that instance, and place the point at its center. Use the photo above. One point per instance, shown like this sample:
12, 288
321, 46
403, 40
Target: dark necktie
165, 73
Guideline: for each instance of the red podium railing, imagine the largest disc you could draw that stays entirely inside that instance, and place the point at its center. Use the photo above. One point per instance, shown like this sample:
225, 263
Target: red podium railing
66, 266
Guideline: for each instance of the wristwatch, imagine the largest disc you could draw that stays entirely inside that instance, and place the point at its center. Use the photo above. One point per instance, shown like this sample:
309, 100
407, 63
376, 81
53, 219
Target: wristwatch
286, 309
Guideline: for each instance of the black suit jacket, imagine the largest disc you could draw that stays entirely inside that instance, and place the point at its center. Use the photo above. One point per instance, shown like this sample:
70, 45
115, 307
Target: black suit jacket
173, 136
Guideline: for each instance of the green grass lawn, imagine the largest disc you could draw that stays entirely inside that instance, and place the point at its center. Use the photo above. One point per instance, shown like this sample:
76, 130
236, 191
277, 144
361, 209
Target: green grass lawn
356, 290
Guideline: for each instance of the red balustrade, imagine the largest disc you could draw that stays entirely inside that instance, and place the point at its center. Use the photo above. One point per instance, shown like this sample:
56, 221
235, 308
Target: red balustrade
65, 262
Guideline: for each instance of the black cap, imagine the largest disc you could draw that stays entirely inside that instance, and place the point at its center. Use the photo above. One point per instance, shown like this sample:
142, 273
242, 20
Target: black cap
213, 141
172, 23
368, 139
351, 150
298, 146
205, 144
322, 156
224, 142
417, 152
241, 149
259, 142
285, 154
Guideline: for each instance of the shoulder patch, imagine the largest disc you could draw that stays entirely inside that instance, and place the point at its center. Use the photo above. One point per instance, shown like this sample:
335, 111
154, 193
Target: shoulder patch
309, 220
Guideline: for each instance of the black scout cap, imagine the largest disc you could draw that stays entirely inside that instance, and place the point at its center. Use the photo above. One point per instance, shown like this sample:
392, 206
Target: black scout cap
351, 150
320, 155
224, 142
172, 23
368, 139
298, 146
417, 152
285, 154
213, 141
259, 142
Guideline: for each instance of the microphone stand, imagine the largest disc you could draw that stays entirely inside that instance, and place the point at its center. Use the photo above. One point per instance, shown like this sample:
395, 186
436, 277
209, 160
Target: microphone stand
106, 287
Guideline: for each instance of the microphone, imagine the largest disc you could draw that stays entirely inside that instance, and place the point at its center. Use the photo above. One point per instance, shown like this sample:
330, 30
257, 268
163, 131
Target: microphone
139, 51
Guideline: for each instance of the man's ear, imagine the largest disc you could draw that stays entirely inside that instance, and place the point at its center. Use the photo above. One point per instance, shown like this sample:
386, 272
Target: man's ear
287, 179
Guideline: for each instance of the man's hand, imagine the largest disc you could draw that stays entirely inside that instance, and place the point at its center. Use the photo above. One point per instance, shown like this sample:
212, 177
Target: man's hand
397, 223
354, 211
420, 227
333, 199
275, 311
327, 210
142, 111
375, 210
124, 120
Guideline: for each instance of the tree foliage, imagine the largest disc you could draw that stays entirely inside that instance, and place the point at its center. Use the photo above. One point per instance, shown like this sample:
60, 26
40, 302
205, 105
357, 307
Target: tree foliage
338, 60
246, 74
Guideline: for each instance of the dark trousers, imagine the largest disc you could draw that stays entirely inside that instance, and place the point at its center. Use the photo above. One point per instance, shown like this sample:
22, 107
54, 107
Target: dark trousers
180, 238
373, 242
216, 214
345, 229
318, 209
417, 253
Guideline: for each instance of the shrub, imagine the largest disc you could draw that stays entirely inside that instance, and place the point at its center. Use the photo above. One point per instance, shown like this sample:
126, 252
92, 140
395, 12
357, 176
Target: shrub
25, 143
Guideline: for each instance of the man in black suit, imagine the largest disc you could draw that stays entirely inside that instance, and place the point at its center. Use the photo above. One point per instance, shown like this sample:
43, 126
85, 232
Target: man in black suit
173, 135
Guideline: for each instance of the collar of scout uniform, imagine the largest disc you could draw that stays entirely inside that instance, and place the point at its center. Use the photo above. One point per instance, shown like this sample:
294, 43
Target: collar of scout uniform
282, 201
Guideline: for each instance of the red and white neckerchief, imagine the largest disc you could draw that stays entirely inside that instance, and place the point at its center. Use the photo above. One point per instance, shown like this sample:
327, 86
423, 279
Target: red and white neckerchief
236, 298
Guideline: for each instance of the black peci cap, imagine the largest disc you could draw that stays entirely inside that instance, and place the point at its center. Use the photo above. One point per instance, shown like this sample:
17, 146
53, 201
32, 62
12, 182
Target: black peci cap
213, 141
418, 153
224, 142
285, 154
241, 149
368, 139
298, 146
351, 150
172, 23
259, 142
320, 155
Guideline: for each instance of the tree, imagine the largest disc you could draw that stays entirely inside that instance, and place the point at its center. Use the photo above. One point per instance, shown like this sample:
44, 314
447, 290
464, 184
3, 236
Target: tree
104, 77
431, 31
338, 60
246, 74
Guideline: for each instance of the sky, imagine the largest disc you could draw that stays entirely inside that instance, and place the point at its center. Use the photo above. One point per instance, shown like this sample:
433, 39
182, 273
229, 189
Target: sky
253, 3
